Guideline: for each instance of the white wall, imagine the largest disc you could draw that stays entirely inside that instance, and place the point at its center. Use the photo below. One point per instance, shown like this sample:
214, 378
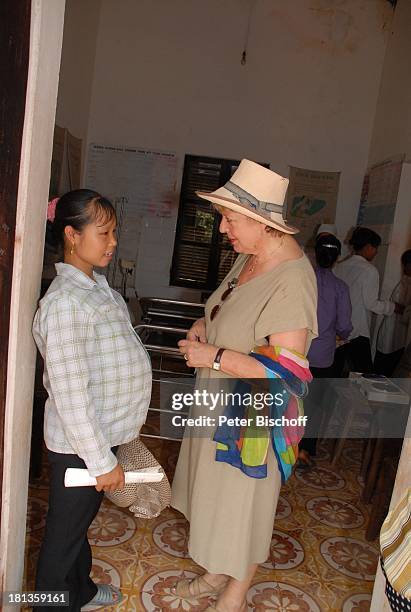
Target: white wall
45, 47
401, 234
392, 135
77, 67
392, 126
168, 76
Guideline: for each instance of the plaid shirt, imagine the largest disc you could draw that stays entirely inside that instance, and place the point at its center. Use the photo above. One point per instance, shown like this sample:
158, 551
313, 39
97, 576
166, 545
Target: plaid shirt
96, 371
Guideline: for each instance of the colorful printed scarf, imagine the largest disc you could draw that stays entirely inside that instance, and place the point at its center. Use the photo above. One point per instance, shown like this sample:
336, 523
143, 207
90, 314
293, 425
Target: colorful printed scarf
246, 448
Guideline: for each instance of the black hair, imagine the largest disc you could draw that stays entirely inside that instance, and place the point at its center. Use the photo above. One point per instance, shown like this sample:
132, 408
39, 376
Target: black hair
327, 250
362, 236
406, 258
78, 208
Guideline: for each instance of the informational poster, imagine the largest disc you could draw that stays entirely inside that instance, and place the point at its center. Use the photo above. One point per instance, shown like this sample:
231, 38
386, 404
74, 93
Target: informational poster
379, 196
147, 179
378, 202
311, 201
141, 183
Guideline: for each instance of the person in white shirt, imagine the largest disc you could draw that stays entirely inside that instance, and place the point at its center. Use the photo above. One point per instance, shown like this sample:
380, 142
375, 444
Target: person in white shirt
363, 281
98, 378
392, 335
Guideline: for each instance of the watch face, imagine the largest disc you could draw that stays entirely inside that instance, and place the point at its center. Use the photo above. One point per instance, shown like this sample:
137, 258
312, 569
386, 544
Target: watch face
216, 366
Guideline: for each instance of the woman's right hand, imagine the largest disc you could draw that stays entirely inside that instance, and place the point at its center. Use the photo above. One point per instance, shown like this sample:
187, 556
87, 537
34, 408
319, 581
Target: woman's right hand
197, 332
112, 481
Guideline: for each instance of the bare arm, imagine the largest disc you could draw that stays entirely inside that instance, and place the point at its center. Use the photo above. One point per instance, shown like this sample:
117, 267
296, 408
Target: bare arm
371, 287
235, 363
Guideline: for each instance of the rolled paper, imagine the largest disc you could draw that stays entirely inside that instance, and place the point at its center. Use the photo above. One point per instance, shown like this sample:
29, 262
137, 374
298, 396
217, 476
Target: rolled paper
78, 477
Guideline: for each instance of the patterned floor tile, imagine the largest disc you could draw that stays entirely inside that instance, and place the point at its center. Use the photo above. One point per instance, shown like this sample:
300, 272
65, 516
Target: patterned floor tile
286, 552
320, 478
279, 596
351, 557
313, 565
352, 454
112, 526
360, 602
284, 508
171, 536
335, 512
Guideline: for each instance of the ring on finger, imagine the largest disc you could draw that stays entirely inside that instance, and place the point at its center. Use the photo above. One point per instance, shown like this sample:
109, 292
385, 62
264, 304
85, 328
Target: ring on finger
185, 356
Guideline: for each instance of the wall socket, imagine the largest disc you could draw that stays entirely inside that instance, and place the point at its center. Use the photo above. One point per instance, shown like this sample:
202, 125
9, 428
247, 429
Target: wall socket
127, 265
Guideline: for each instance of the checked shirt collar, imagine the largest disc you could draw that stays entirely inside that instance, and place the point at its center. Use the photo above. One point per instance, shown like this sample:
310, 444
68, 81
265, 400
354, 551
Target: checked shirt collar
77, 277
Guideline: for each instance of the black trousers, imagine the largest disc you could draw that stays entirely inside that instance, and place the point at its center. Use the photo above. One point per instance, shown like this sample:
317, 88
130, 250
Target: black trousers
312, 410
385, 363
356, 356
65, 556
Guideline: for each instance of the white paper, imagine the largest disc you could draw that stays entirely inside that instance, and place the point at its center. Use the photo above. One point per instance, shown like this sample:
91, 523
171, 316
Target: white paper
77, 477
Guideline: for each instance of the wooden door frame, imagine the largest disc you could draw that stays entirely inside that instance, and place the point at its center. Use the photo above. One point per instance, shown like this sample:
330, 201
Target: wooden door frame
26, 206
14, 66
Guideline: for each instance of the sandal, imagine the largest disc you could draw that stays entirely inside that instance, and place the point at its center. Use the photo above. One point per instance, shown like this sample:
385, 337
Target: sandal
304, 465
304, 461
107, 595
196, 588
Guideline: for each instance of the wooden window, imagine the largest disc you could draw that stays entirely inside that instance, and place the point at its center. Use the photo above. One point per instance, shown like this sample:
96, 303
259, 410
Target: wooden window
202, 256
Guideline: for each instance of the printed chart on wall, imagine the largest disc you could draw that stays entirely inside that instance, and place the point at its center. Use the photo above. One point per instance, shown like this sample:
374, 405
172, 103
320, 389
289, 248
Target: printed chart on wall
140, 183
379, 196
378, 201
377, 207
312, 200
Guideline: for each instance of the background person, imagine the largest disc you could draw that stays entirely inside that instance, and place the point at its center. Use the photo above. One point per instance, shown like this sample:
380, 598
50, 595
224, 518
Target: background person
269, 297
392, 334
334, 319
98, 379
363, 281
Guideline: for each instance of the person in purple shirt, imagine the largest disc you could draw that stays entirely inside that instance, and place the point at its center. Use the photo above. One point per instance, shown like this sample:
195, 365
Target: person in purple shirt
334, 320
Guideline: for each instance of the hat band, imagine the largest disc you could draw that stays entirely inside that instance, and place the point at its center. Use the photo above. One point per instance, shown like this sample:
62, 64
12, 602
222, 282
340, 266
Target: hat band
247, 198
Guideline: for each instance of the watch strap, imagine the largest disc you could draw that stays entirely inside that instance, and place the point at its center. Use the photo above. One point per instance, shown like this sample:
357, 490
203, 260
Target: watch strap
217, 359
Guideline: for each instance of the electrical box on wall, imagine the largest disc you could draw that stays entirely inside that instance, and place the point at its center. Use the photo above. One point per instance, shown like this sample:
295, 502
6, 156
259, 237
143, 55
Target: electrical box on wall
127, 266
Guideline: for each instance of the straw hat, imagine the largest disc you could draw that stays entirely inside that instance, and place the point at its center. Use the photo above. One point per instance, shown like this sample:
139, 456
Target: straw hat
256, 192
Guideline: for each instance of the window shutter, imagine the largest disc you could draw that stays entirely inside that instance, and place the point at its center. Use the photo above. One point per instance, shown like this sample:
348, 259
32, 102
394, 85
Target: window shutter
202, 257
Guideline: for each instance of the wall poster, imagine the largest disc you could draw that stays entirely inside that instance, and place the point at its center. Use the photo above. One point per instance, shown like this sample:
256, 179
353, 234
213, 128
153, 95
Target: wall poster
311, 201
141, 183
378, 201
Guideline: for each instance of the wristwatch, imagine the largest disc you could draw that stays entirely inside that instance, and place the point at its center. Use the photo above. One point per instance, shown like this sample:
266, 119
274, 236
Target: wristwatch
217, 359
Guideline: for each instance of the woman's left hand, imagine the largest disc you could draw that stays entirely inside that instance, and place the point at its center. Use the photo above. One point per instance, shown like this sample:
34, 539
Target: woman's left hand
198, 354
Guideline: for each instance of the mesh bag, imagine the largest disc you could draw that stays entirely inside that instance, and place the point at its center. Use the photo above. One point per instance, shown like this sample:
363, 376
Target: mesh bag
144, 500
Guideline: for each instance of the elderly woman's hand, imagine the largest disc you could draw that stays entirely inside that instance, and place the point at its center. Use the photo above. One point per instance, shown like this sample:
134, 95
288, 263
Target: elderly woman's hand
197, 331
198, 354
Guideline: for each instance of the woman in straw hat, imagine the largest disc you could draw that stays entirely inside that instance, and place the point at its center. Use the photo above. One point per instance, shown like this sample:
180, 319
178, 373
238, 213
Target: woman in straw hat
266, 303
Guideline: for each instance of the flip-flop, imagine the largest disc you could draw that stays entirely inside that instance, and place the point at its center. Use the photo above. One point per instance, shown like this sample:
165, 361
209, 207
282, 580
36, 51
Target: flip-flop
107, 595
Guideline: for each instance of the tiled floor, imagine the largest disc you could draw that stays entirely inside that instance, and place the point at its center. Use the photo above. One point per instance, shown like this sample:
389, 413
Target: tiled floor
319, 557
